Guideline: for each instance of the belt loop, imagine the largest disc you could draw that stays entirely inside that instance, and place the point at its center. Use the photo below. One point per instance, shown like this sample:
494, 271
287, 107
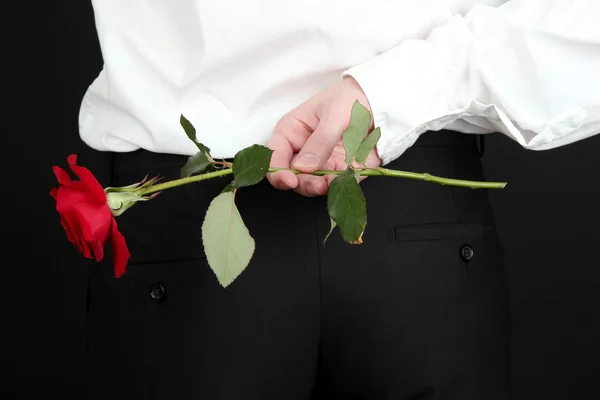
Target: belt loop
480, 145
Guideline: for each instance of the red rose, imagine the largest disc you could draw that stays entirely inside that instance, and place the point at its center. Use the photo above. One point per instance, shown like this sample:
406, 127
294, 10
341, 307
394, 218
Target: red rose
86, 217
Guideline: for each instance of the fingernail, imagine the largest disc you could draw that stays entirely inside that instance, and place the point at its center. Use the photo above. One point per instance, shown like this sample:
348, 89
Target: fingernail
306, 161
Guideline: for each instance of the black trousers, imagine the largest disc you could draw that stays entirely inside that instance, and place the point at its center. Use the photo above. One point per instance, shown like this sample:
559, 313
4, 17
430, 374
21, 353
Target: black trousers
419, 311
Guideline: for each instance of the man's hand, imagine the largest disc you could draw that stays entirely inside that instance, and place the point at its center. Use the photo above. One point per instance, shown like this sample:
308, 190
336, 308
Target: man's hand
309, 138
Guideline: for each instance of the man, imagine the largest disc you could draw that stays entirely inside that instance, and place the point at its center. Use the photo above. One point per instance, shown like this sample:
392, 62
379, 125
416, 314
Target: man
420, 310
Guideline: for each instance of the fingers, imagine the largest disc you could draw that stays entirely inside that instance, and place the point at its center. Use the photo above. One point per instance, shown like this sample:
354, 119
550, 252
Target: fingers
283, 180
319, 146
281, 157
312, 186
289, 135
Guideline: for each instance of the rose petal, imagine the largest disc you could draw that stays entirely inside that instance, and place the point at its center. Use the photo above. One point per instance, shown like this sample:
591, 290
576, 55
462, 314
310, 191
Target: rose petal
84, 248
54, 192
72, 223
65, 181
88, 178
120, 251
98, 249
70, 234
72, 159
61, 175
95, 221
95, 224
67, 198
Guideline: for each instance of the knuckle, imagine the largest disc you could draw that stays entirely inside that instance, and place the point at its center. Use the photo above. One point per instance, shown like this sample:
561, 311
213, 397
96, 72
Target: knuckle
340, 110
281, 126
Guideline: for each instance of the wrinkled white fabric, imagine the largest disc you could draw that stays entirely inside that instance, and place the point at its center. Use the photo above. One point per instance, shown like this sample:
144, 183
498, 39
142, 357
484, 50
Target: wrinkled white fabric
527, 68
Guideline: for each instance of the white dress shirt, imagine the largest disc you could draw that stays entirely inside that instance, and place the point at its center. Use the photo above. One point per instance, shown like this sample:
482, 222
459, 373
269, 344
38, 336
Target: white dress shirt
527, 68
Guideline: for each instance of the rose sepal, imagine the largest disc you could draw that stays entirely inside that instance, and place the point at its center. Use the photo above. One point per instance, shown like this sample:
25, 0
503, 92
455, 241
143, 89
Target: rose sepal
120, 199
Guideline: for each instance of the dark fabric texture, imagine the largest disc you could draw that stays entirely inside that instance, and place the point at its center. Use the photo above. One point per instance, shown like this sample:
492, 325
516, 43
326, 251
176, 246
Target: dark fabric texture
418, 311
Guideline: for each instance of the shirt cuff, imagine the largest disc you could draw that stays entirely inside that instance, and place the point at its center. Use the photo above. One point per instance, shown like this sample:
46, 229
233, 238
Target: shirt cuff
405, 86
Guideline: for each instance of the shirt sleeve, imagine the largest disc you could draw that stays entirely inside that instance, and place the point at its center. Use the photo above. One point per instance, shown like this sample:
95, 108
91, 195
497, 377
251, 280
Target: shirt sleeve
529, 69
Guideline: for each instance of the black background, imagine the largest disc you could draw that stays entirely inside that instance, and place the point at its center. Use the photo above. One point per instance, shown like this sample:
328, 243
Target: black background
548, 217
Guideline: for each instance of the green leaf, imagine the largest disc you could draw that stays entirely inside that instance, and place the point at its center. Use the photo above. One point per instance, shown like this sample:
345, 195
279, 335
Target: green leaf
333, 225
227, 242
358, 127
347, 207
251, 165
202, 160
198, 163
367, 145
191, 133
188, 128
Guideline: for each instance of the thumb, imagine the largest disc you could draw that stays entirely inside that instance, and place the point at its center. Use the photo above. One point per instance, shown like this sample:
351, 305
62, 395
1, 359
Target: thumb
318, 148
